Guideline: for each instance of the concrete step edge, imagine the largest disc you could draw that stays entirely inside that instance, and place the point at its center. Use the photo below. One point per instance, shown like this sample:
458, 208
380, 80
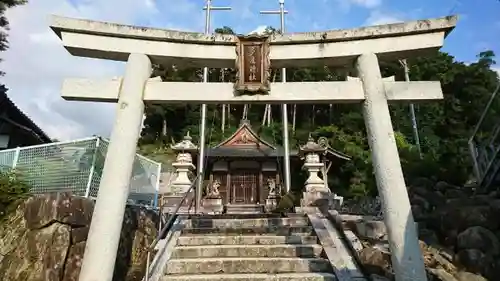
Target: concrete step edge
202, 240
247, 223
250, 219
255, 228
240, 259
253, 276
226, 246
243, 265
267, 235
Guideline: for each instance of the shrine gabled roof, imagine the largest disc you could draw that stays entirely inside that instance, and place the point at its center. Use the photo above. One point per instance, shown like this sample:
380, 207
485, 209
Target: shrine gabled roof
245, 138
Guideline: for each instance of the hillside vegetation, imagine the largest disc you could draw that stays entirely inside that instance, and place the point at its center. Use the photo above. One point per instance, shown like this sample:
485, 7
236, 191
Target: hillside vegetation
444, 125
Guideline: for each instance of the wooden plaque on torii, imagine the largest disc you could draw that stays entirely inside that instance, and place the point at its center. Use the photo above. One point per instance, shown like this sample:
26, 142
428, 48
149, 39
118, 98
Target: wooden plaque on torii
252, 65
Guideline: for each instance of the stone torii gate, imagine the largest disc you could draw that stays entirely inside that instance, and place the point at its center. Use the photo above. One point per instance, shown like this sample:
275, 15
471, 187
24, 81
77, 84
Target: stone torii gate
140, 47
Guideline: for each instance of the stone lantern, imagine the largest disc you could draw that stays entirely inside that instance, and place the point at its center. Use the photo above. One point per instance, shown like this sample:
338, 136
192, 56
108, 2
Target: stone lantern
183, 165
316, 193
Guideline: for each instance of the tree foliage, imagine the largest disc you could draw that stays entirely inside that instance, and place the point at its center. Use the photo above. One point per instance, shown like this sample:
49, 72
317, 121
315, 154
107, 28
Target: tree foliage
4, 23
12, 189
444, 125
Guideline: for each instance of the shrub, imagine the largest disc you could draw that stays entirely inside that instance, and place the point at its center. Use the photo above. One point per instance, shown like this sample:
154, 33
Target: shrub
288, 202
12, 189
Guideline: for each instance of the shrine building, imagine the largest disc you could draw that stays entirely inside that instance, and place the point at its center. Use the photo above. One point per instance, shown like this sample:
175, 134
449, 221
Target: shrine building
244, 163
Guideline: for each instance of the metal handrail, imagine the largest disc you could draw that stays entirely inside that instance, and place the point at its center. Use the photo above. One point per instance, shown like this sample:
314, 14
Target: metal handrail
166, 227
162, 205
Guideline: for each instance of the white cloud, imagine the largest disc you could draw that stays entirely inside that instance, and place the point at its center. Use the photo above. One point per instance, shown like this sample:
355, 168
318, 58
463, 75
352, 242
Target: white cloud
378, 17
345, 6
367, 3
36, 64
259, 30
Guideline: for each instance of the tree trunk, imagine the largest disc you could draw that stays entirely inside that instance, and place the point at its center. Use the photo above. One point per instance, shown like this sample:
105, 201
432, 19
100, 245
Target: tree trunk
265, 116
313, 115
269, 115
245, 112
164, 128
330, 114
267, 110
223, 125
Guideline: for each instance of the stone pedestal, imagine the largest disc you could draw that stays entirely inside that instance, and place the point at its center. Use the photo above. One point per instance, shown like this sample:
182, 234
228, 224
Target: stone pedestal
212, 206
320, 199
314, 182
170, 201
181, 183
316, 194
183, 165
337, 201
271, 203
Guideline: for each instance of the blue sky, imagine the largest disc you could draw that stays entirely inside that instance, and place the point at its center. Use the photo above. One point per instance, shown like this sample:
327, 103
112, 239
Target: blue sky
36, 53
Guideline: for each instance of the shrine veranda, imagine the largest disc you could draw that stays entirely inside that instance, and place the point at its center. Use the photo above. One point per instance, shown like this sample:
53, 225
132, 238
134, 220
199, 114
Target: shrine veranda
141, 47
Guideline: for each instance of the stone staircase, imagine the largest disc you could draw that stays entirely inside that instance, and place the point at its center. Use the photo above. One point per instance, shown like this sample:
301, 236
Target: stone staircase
244, 209
258, 247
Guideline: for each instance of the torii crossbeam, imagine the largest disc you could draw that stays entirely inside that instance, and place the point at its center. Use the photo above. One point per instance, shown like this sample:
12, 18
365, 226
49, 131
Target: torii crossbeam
140, 47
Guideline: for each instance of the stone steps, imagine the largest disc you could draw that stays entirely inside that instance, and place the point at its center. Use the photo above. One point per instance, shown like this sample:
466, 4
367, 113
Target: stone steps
274, 230
303, 251
246, 265
254, 277
244, 209
196, 240
242, 216
248, 247
247, 223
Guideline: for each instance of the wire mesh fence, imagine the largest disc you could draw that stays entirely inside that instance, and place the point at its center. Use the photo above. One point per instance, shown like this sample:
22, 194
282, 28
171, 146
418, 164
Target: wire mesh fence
76, 167
484, 144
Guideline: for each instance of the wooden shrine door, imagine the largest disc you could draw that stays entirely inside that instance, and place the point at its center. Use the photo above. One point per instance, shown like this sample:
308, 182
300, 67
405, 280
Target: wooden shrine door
244, 185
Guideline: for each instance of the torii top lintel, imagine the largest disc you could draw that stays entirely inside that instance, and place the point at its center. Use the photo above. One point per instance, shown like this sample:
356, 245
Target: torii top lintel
115, 42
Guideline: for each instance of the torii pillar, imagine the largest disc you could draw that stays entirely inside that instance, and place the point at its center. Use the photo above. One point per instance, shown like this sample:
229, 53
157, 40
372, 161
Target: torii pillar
398, 217
363, 47
107, 219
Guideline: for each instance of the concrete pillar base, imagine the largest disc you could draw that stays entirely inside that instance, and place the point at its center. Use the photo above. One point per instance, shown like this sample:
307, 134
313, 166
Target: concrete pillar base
212, 206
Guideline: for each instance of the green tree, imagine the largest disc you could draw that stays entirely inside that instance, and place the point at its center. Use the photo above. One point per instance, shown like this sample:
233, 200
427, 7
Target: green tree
4, 22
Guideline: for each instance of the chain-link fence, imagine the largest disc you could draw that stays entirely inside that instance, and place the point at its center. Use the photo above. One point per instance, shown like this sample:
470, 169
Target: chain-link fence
76, 167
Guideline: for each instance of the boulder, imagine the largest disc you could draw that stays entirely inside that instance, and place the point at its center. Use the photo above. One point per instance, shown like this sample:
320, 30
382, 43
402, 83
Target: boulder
38, 255
376, 262
473, 260
41, 211
74, 262
467, 276
374, 230
423, 183
451, 220
445, 187
478, 237
460, 231
12, 230
439, 274
45, 238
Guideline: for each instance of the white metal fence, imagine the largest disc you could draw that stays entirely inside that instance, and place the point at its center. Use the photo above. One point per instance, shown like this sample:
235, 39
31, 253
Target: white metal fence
76, 167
